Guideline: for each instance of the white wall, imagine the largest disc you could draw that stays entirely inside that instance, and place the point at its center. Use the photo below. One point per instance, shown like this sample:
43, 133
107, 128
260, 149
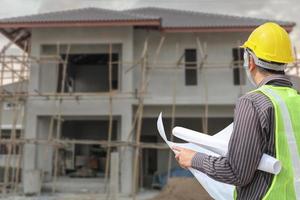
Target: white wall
44, 77
296, 82
45, 152
219, 81
93, 106
73, 36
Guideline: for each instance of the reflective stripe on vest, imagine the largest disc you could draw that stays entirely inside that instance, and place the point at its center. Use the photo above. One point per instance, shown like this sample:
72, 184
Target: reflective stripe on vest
283, 186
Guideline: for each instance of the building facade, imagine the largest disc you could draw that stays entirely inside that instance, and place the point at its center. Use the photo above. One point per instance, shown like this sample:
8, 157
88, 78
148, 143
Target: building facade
190, 61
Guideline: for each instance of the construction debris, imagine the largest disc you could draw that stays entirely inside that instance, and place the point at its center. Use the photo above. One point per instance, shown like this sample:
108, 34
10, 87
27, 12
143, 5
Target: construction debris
183, 189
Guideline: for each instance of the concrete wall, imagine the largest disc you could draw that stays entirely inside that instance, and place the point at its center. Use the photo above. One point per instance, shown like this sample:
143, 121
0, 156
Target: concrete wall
76, 36
84, 108
128, 42
43, 79
44, 157
296, 82
219, 81
88, 129
221, 93
8, 114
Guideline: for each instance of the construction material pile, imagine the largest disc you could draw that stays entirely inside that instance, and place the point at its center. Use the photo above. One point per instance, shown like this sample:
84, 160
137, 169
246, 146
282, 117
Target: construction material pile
182, 189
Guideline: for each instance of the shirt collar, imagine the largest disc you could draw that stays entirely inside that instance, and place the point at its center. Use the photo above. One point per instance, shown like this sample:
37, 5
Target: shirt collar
272, 78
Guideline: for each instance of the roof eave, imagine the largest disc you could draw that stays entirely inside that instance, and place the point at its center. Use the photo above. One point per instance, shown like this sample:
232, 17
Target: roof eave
29, 25
152, 22
288, 28
19, 40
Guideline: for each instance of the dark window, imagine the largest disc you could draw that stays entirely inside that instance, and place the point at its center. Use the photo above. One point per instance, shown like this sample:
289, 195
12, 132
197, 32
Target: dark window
6, 134
89, 73
238, 70
190, 67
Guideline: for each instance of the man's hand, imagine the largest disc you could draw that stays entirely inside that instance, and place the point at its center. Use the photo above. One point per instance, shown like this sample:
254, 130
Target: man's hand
184, 156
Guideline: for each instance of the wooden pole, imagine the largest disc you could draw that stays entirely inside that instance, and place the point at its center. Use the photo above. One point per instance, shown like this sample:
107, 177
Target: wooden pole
143, 86
20, 106
110, 122
59, 117
8, 175
2, 104
1, 91
205, 89
175, 79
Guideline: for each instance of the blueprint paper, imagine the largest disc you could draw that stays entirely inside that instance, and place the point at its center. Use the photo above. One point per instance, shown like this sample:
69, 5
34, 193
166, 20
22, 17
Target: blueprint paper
215, 146
218, 143
217, 190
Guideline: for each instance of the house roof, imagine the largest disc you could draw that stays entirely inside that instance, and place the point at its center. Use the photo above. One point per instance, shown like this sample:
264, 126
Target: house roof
172, 18
18, 29
80, 15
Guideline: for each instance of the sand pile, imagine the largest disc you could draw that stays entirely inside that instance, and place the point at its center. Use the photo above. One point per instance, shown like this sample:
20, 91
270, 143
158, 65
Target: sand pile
182, 189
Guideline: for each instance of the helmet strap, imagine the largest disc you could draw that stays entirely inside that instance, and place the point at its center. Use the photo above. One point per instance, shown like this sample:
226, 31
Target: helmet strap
266, 65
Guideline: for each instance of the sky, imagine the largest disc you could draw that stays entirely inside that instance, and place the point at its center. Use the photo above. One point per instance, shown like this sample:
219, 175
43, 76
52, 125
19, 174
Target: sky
269, 9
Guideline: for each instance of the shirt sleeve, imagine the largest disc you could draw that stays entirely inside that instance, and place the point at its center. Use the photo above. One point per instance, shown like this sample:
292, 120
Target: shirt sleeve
244, 150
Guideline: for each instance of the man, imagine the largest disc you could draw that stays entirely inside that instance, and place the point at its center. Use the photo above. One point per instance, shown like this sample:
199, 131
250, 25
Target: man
260, 123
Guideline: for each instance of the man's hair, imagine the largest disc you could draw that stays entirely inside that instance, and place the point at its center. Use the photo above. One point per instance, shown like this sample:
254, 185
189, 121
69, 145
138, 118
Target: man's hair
264, 70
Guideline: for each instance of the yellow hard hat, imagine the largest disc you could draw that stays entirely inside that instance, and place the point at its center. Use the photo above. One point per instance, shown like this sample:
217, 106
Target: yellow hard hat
270, 42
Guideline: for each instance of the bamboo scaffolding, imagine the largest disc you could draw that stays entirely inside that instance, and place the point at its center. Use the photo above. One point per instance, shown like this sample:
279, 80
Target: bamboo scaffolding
20, 106
11, 177
63, 142
143, 87
174, 92
2, 60
155, 65
10, 150
59, 114
4, 64
16, 68
1, 109
204, 56
10, 43
110, 120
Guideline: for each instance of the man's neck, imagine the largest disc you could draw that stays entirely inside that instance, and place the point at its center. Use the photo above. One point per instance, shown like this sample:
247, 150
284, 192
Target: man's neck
260, 77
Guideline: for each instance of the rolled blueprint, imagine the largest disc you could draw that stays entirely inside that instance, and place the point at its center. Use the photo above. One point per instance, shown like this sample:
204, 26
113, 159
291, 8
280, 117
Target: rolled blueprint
218, 144
217, 190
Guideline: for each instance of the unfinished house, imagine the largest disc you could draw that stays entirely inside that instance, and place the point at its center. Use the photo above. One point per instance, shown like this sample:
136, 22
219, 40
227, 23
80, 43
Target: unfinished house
98, 80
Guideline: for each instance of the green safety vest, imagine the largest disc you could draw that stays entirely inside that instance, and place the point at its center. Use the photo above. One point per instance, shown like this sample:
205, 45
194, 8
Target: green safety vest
286, 103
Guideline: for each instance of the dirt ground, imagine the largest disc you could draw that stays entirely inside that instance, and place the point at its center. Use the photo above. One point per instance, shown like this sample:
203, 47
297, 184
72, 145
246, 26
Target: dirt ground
176, 189
183, 189
64, 196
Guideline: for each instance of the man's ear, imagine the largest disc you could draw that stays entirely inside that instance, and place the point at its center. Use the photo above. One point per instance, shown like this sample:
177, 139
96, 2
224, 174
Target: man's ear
252, 64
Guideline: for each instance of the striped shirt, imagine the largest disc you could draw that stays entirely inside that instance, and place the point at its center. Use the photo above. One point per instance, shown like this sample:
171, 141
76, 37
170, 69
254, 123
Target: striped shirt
253, 134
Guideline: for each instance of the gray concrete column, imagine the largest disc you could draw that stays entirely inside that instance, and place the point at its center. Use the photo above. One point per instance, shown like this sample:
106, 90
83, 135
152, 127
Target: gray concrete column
29, 155
127, 55
114, 176
126, 154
